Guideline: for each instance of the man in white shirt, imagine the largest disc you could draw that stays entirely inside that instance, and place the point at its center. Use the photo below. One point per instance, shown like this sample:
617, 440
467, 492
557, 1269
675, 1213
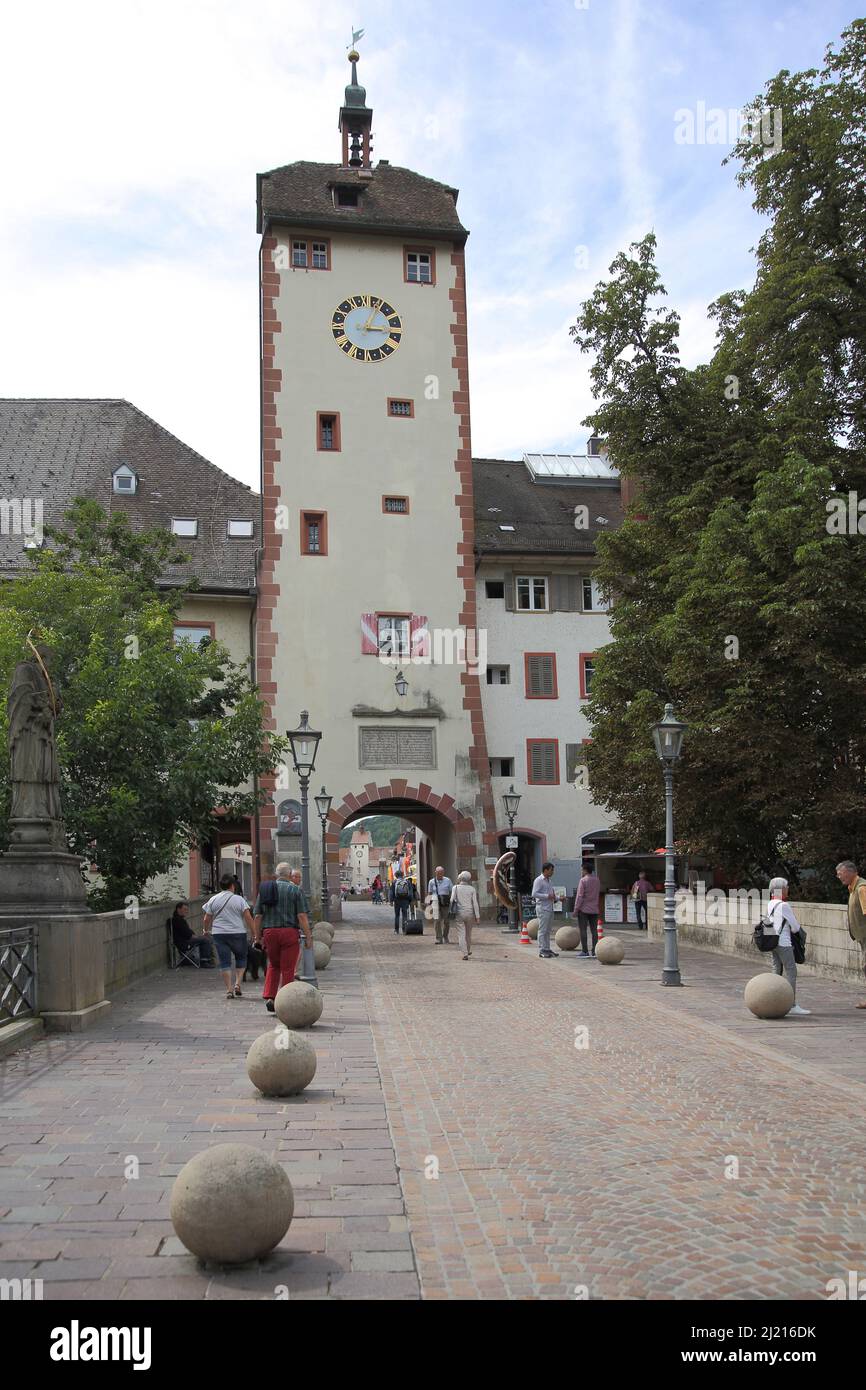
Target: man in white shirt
440, 887
545, 899
785, 922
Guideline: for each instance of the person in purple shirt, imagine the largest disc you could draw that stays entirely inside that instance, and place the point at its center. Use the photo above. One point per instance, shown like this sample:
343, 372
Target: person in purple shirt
639, 890
586, 907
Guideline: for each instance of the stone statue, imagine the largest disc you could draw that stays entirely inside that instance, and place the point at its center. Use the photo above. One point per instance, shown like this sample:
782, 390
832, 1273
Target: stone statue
36, 815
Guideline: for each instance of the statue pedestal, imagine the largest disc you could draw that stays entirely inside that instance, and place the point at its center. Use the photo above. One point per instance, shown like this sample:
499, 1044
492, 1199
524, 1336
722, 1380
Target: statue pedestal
70, 971
40, 880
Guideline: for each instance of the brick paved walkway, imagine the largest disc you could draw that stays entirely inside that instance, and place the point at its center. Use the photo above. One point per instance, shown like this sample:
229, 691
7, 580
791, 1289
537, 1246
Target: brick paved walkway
558, 1167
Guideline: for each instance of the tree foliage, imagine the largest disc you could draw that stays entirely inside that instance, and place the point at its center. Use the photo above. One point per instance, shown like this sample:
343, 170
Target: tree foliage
151, 737
734, 596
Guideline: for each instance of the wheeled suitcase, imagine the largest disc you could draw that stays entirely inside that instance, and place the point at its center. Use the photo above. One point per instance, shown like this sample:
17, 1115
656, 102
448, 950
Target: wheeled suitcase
414, 924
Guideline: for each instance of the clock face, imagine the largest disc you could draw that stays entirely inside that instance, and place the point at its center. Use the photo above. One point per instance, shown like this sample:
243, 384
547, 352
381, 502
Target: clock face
366, 328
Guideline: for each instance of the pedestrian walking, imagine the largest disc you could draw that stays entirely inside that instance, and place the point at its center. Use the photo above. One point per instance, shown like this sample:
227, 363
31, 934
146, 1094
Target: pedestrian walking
545, 900
464, 901
781, 915
228, 920
847, 873
440, 889
586, 908
281, 914
401, 897
377, 889
639, 890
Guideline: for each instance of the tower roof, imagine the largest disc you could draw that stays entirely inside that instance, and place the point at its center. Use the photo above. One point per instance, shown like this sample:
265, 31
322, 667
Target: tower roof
391, 200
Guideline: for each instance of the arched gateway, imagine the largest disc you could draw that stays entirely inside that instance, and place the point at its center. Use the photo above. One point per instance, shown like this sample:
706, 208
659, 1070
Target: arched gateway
449, 834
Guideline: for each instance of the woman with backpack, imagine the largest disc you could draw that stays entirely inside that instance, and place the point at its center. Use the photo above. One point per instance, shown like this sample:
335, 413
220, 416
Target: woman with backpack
402, 898
227, 918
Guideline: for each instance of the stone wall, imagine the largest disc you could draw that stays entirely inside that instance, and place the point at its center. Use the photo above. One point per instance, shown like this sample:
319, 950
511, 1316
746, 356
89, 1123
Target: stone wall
137, 948
829, 949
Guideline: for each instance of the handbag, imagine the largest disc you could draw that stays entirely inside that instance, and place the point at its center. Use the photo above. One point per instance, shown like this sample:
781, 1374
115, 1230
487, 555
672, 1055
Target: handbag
765, 935
798, 943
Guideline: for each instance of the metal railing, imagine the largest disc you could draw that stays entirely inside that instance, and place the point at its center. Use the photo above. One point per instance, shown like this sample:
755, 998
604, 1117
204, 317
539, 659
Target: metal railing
17, 973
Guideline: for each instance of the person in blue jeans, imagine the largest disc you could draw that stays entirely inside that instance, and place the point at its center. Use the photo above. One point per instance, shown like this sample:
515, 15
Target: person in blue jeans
227, 918
402, 893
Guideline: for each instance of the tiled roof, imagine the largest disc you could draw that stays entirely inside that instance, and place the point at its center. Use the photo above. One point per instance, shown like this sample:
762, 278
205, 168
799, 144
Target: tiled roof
391, 200
61, 449
542, 513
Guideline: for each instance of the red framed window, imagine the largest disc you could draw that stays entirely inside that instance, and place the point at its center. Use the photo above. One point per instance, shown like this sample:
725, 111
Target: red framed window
395, 506
314, 533
328, 436
539, 670
397, 635
542, 762
587, 669
419, 265
400, 409
311, 253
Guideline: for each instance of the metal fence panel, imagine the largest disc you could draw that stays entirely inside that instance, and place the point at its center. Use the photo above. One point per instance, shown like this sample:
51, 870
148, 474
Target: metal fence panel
17, 973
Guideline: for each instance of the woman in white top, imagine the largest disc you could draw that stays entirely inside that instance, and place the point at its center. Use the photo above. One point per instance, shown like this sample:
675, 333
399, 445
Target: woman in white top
464, 903
228, 919
785, 922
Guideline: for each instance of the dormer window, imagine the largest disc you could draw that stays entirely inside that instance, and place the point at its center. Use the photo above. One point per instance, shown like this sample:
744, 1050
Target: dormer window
346, 197
124, 480
184, 526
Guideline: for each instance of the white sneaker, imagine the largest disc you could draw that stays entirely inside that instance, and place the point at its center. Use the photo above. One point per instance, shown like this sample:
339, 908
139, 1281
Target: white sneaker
795, 1009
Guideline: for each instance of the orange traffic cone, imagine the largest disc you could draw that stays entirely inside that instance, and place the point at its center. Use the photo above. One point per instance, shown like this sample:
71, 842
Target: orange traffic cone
524, 935
600, 931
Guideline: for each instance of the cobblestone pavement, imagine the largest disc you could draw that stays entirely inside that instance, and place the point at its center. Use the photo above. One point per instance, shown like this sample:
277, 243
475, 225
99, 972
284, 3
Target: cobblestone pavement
161, 1079
565, 1169
561, 1168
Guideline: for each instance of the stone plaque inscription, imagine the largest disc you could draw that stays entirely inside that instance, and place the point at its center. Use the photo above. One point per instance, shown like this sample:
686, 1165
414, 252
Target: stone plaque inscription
399, 748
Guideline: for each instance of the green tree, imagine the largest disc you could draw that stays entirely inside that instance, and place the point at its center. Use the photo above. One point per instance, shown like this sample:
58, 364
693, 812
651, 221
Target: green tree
734, 596
151, 737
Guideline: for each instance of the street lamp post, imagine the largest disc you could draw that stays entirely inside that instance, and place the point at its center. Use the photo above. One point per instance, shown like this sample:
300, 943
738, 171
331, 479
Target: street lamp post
304, 743
511, 801
668, 738
323, 806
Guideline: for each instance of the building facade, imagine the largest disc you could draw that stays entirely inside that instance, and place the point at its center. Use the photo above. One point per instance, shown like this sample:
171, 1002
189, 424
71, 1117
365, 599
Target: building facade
367, 493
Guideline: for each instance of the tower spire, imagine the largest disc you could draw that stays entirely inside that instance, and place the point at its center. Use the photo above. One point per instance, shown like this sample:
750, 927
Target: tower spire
356, 118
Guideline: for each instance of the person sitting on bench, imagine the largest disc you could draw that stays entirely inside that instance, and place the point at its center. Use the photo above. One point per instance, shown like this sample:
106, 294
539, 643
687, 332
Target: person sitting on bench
185, 939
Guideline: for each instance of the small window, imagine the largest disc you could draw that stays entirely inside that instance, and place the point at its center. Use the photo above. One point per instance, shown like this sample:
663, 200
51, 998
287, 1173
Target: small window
393, 636
299, 254
540, 668
501, 767
498, 675
531, 593
503, 526
592, 599
320, 255
314, 533
398, 506
542, 762
419, 267
185, 526
494, 588
240, 529
401, 409
346, 197
587, 667
193, 634
124, 480
328, 432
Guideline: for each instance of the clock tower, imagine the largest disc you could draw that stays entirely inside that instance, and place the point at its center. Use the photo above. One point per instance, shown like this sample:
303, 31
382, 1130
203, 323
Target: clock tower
366, 613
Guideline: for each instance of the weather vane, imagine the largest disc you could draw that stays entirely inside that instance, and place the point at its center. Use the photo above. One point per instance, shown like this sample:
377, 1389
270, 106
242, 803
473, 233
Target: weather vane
357, 34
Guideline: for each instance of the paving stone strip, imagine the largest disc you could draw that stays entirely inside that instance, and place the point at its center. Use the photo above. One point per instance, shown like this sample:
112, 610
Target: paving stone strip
607, 1170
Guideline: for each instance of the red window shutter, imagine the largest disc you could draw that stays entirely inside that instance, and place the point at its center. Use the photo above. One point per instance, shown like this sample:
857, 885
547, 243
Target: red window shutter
369, 635
419, 637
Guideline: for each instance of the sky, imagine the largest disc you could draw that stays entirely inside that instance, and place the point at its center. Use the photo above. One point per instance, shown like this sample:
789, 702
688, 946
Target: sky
132, 134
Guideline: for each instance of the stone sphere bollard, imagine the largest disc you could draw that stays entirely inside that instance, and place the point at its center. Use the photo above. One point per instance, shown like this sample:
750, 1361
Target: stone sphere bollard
322, 954
768, 995
281, 1063
568, 938
231, 1203
532, 929
323, 933
330, 926
298, 1005
609, 950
